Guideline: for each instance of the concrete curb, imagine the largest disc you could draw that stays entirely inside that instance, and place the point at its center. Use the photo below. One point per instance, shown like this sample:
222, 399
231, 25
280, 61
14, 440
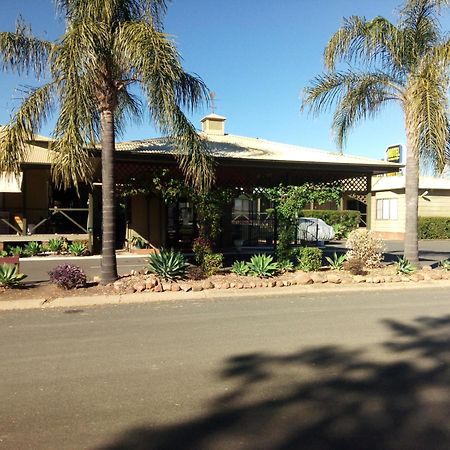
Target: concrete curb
213, 294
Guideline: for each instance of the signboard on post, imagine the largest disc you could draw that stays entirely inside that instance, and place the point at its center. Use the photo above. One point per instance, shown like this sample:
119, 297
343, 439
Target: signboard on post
394, 154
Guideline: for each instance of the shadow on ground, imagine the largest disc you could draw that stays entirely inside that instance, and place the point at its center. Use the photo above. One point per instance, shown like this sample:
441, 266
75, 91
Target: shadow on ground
325, 398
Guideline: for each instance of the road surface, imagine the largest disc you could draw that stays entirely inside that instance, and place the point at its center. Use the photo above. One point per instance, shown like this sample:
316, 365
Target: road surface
345, 371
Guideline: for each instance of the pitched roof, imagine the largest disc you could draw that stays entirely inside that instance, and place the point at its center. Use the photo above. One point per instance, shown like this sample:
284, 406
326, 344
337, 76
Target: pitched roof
241, 147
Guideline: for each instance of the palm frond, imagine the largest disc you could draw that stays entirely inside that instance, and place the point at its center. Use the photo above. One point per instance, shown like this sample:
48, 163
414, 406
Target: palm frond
26, 121
22, 52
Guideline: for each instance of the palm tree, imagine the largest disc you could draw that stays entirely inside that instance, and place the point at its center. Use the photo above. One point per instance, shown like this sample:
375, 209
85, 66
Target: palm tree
108, 47
406, 63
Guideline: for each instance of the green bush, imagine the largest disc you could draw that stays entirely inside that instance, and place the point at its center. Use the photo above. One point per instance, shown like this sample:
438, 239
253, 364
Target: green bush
77, 248
168, 264
309, 258
342, 221
434, 228
55, 245
212, 263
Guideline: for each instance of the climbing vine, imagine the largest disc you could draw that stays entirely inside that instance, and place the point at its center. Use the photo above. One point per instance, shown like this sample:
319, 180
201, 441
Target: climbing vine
288, 203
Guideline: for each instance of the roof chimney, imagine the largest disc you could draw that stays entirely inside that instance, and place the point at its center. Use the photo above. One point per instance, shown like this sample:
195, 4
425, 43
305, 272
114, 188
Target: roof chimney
213, 124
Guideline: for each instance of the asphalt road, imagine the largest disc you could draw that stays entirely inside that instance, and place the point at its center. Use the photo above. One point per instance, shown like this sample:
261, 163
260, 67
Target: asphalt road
345, 371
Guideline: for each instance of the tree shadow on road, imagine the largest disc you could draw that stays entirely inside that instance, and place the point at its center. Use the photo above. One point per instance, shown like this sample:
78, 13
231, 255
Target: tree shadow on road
325, 398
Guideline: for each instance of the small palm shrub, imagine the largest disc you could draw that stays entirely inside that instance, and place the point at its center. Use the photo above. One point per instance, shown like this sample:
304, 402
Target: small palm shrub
32, 248
337, 261
404, 267
262, 266
212, 263
55, 245
285, 265
366, 246
10, 276
168, 265
240, 268
309, 258
77, 248
68, 276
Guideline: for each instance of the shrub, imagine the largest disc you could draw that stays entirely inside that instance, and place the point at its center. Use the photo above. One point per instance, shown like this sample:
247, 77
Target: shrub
240, 268
337, 261
404, 266
55, 245
3, 253
445, 264
10, 276
355, 266
262, 266
309, 258
195, 273
212, 263
32, 248
201, 246
168, 265
343, 222
434, 228
366, 246
68, 276
77, 248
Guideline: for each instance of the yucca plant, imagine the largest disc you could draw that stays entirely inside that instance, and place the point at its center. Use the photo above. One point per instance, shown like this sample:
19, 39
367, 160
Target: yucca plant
240, 268
77, 248
168, 265
10, 276
262, 266
404, 267
55, 245
337, 261
32, 248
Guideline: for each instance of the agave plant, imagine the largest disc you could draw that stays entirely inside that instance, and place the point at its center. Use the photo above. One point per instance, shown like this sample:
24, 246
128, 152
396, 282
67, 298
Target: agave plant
404, 266
10, 276
33, 248
3, 253
168, 265
55, 245
240, 268
337, 261
15, 251
77, 248
262, 266
285, 266
445, 264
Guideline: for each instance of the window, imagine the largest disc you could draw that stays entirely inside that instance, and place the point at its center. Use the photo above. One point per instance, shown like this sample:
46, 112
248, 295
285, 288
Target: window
387, 209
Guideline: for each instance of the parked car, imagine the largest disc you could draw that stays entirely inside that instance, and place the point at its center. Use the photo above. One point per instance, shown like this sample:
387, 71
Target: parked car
312, 229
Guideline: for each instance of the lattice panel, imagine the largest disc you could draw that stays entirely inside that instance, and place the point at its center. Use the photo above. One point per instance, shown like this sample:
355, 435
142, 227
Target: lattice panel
355, 186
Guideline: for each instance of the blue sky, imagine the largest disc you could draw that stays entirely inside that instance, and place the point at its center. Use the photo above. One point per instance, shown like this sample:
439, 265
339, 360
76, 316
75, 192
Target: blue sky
257, 55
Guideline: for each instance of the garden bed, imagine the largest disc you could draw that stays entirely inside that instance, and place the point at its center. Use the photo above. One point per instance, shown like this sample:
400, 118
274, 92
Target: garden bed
150, 283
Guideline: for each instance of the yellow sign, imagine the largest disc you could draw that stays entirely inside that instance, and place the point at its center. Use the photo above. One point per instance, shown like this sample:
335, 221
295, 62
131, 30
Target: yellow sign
394, 153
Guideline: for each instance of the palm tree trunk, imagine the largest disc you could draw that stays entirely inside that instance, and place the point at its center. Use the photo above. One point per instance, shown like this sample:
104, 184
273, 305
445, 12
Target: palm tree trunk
109, 264
411, 244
